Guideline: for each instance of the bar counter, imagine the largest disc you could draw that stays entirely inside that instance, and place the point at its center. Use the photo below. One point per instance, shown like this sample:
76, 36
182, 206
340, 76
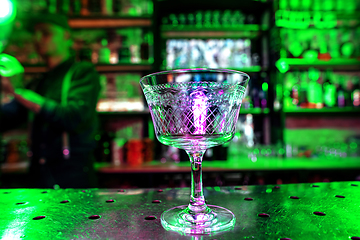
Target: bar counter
292, 211
241, 164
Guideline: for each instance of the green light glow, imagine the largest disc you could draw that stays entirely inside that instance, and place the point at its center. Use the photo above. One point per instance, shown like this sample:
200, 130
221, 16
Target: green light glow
314, 74
302, 19
217, 188
265, 86
296, 49
310, 55
7, 11
279, 90
347, 49
353, 145
9, 66
282, 65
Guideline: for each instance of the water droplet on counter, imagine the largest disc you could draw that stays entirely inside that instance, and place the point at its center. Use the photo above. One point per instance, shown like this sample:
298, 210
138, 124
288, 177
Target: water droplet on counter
150, 218
319, 213
93, 217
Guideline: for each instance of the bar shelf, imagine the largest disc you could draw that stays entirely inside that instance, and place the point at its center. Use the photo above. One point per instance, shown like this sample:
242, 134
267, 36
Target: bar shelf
109, 22
332, 110
335, 64
120, 67
241, 31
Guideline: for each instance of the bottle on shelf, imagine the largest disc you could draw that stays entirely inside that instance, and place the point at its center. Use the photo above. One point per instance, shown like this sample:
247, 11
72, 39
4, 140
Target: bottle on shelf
216, 18
85, 8
173, 20
104, 52
340, 91
294, 82
329, 90
190, 19
314, 93
355, 95
107, 7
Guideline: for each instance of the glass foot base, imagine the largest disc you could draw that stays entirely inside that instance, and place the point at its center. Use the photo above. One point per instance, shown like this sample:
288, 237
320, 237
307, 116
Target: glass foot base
179, 219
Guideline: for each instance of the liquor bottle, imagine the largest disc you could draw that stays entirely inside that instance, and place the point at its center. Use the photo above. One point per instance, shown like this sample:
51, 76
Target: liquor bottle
75, 7
314, 93
225, 19
173, 20
85, 8
349, 87
104, 52
190, 19
182, 19
116, 7
52, 6
63, 6
263, 94
304, 84
216, 18
355, 95
283, 4
329, 91
254, 93
207, 19
144, 48
107, 7
95, 6
292, 90
199, 19
340, 92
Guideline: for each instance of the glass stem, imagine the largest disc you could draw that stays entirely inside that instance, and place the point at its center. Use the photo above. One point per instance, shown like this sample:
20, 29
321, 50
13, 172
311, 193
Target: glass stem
197, 201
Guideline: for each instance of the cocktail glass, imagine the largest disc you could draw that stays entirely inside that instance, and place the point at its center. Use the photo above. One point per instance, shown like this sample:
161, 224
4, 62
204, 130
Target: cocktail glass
195, 109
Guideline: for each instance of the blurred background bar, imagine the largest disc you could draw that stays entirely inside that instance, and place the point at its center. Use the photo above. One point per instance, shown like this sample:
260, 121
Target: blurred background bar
300, 121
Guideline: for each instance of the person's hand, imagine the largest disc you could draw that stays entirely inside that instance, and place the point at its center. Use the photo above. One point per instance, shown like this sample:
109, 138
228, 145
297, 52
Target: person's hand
30, 96
6, 86
9, 66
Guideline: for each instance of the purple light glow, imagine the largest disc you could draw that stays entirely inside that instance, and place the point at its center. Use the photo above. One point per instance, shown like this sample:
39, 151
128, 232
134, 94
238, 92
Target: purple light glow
66, 152
199, 110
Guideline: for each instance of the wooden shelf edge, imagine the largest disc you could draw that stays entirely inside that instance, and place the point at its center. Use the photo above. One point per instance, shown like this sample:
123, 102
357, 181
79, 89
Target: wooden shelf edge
99, 68
109, 23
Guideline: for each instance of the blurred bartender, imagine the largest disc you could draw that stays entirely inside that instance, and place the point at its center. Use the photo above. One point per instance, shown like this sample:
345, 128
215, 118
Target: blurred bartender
61, 106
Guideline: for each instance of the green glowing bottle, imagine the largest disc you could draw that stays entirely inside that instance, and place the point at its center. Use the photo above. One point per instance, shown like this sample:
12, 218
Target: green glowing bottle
329, 91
